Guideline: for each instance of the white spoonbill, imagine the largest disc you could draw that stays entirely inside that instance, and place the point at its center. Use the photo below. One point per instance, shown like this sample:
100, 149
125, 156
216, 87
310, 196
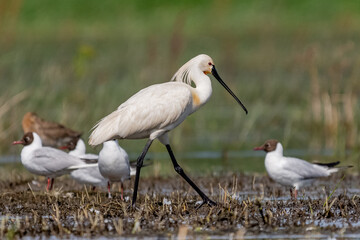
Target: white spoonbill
47, 161
293, 172
114, 164
154, 111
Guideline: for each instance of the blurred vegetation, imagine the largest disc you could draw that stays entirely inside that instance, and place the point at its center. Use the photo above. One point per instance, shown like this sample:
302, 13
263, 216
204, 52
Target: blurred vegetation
294, 64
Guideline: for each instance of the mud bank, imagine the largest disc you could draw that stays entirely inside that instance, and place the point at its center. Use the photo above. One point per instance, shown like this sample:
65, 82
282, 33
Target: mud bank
248, 206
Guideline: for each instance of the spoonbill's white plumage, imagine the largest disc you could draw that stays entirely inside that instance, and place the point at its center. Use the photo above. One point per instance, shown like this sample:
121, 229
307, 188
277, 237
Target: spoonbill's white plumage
114, 164
157, 109
90, 175
293, 172
47, 161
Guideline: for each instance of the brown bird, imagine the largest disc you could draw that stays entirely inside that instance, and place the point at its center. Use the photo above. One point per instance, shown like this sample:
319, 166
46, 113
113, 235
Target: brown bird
51, 133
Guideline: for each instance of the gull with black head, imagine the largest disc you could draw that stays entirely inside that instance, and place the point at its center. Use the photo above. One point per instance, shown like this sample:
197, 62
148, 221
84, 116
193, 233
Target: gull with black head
293, 172
47, 161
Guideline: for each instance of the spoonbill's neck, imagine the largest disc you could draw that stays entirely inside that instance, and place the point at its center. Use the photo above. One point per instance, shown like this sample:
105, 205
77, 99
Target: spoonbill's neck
202, 91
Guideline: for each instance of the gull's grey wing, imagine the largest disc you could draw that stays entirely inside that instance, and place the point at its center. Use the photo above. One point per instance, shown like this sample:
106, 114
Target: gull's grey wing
304, 169
54, 160
90, 158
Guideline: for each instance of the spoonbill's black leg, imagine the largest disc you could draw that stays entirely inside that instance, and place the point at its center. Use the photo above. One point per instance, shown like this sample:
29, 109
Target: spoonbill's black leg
139, 164
180, 171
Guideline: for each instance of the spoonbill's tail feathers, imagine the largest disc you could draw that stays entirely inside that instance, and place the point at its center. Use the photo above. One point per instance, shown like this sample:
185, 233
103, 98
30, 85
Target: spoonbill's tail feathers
104, 129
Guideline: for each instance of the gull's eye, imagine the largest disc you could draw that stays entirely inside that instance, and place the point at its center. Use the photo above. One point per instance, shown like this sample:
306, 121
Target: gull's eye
267, 145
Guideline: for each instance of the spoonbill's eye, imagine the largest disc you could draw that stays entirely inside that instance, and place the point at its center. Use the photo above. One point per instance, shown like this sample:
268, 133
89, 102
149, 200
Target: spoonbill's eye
209, 63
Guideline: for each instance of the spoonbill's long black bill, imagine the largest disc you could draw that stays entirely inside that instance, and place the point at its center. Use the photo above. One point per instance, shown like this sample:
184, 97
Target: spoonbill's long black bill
216, 75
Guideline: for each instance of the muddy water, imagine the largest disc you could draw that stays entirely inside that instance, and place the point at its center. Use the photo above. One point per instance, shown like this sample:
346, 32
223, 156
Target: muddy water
249, 207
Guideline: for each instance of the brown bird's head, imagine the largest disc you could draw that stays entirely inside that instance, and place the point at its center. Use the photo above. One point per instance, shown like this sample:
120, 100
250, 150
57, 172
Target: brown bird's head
71, 144
28, 122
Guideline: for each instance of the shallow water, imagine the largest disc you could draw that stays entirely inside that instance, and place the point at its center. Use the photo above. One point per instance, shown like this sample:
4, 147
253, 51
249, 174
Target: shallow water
206, 154
202, 163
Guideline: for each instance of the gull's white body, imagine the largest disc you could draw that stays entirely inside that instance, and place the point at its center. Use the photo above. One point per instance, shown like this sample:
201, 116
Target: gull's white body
293, 172
157, 109
90, 175
114, 162
47, 161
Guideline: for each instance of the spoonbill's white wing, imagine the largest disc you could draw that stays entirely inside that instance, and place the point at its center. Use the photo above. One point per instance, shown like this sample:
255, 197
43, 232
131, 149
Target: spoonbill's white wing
159, 107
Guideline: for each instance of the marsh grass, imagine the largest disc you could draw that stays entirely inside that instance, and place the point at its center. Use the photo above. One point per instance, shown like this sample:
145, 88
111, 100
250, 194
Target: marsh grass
293, 64
66, 212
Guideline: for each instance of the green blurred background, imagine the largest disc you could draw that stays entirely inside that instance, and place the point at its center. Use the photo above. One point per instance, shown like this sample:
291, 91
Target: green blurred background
294, 64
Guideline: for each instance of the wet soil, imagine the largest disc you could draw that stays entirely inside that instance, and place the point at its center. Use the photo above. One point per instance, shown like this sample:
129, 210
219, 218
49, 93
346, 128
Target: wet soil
247, 205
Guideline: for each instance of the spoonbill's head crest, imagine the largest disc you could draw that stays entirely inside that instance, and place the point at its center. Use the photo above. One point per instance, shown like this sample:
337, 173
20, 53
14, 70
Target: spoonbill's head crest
207, 66
268, 146
202, 62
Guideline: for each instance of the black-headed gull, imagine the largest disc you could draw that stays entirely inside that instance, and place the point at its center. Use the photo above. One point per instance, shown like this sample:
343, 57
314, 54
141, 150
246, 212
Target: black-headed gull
47, 161
290, 171
114, 164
